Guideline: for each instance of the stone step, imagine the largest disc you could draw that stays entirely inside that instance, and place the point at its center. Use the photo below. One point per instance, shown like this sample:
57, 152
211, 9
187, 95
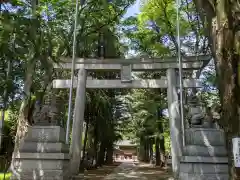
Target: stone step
205, 137
196, 150
45, 134
203, 168
42, 156
38, 165
188, 176
44, 147
41, 175
204, 159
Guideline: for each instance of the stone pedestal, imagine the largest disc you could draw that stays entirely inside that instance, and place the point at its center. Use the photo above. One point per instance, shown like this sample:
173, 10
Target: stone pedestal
43, 155
204, 156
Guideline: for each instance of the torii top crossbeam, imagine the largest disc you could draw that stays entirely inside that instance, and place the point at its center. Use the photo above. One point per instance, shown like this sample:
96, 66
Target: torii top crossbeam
137, 64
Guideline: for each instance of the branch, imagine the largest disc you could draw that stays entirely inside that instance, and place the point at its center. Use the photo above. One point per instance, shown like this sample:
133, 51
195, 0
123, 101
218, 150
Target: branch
167, 21
108, 22
196, 30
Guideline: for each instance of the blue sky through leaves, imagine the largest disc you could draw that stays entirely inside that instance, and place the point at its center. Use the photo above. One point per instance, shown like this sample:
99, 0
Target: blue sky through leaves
133, 10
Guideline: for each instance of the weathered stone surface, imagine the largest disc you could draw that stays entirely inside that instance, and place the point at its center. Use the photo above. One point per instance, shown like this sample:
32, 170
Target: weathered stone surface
115, 83
41, 167
203, 168
205, 137
78, 120
42, 156
42, 147
126, 73
42, 175
174, 121
33, 164
196, 114
188, 176
138, 64
196, 150
46, 134
204, 159
204, 156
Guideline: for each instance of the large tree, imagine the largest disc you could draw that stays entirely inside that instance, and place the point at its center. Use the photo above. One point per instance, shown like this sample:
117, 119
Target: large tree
222, 28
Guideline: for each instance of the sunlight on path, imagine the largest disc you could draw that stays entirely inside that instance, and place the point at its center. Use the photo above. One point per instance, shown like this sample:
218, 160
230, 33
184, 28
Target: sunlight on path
127, 171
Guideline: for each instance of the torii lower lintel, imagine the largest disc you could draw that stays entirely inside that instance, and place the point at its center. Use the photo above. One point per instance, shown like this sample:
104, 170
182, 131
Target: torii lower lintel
135, 84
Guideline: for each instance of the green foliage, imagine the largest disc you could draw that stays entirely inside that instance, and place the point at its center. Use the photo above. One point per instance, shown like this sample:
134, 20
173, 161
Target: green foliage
11, 116
209, 94
153, 31
144, 121
33, 40
6, 176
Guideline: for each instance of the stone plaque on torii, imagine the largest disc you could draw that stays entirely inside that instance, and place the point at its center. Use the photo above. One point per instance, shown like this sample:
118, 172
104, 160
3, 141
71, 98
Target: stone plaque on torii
126, 73
127, 66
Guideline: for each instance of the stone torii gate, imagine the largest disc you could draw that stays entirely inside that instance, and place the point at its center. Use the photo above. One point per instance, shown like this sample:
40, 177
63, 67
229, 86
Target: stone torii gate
126, 66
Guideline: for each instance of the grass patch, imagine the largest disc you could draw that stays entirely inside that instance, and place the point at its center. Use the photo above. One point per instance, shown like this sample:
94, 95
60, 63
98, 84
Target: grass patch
7, 176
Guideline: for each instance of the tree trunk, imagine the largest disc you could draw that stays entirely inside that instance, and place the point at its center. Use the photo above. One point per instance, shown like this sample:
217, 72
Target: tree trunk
227, 68
146, 151
162, 145
101, 154
23, 123
96, 141
162, 151
158, 160
85, 143
223, 31
150, 151
141, 153
161, 141
109, 154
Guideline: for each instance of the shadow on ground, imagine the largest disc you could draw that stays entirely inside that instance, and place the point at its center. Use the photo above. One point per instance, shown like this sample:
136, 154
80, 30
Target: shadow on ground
128, 171
100, 173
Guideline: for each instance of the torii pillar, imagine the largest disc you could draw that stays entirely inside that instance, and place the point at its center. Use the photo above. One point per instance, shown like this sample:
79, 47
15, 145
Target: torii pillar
175, 121
78, 120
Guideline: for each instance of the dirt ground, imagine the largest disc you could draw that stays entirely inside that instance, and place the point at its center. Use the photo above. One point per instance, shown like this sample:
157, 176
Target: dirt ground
127, 171
100, 173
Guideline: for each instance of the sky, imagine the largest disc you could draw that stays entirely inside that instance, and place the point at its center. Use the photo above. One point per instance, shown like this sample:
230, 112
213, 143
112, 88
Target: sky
133, 10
